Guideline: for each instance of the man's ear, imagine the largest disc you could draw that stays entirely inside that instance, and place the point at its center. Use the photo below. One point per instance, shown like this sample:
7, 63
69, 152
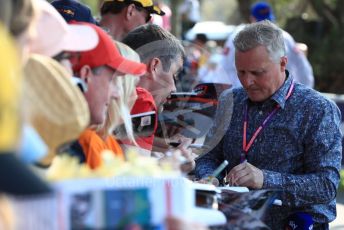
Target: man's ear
154, 67
283, 63
85, 73
130, 11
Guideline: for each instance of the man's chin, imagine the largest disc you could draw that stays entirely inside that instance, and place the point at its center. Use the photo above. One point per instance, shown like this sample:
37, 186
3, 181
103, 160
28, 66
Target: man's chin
257, 99
159, 102
95, 121
255, 96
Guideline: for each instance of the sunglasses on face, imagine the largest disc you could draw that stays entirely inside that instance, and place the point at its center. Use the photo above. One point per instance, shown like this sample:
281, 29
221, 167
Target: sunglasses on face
141, 9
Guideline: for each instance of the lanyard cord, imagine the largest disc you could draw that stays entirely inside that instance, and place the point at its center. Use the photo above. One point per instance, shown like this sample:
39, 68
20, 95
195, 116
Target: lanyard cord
246, 146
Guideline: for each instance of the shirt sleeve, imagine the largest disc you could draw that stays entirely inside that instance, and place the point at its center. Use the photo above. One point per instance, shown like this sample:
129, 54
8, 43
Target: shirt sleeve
206, 164
322, 162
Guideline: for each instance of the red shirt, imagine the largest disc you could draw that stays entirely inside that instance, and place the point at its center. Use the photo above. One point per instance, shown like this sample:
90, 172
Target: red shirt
144, 103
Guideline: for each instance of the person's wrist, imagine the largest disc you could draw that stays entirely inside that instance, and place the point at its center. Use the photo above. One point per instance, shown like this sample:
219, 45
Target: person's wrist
213, 180
188, 166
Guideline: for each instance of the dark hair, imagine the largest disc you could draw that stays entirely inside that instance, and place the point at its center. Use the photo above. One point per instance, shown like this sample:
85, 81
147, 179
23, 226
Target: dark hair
113, 7
151, 41
201, 37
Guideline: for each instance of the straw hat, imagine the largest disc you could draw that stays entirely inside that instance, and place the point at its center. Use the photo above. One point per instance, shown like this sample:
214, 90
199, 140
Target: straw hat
57, 109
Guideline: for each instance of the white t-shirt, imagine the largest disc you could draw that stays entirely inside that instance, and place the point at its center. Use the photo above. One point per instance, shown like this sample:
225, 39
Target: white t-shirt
191, 8
298, 65
228, 59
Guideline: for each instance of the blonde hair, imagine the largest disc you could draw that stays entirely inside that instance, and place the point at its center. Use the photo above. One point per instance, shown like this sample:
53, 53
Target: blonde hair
119, 110
17, 15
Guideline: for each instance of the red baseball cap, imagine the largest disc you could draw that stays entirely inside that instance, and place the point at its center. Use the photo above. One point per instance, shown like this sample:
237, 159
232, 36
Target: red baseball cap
106, 53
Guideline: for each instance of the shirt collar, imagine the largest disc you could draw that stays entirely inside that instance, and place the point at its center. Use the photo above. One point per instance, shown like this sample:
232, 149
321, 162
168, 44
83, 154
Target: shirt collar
281, 93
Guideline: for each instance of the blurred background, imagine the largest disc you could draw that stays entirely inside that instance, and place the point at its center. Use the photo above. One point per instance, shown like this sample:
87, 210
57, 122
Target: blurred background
317, 23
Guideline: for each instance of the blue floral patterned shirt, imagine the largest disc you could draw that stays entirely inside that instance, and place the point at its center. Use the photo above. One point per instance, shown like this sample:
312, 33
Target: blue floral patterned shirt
299, 151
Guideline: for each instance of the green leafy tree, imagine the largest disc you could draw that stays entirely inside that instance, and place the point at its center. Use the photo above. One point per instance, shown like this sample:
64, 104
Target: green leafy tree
318, 23
94, 5
341, 185
328, 55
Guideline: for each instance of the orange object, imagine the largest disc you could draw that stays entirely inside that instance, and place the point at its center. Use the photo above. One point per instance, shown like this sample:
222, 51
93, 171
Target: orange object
92, 146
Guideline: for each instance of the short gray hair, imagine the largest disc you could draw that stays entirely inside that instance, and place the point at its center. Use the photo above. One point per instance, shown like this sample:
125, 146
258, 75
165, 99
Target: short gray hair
97, 70
151, 41
263, 33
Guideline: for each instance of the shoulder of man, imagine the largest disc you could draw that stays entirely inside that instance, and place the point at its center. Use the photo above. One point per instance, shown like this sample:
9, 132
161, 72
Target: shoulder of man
314, 99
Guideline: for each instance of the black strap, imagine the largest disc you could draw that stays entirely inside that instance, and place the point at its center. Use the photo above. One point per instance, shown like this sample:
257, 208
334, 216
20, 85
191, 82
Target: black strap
73, 149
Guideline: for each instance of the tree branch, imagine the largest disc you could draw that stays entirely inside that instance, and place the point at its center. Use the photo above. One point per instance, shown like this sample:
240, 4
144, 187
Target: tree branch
325, 12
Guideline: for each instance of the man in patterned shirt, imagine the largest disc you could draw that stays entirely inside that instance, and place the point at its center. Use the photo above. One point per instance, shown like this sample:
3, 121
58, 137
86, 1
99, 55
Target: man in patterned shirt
281, 135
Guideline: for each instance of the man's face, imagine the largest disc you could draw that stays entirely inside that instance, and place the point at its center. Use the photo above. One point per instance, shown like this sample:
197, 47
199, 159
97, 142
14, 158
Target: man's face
140, 17
101, 90
258, 74
165, 81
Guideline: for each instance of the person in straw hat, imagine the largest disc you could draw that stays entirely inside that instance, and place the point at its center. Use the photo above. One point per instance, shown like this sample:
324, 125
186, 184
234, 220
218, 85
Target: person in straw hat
18, 18
47, 107
63, 37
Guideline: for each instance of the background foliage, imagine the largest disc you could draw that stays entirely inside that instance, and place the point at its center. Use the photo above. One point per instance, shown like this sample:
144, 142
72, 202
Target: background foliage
318, 23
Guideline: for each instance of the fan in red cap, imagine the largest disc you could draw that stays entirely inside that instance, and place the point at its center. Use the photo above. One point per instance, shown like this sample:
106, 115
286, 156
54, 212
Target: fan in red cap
97, 70
107, 54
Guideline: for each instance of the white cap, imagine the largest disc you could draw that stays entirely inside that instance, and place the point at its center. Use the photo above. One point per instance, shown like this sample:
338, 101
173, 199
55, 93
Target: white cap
54, 35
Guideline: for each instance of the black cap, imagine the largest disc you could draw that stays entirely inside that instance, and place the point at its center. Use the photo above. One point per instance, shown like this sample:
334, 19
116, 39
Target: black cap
147, 4
72, 10
17, 179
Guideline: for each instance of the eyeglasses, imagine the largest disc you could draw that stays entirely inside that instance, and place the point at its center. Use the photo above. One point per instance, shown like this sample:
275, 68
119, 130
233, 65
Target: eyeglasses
62, 56
177, 75
80, 83
142, 9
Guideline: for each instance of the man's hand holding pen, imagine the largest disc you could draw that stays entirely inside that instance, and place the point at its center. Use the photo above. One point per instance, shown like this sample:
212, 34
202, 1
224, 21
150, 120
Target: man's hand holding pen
212, 178
245, 175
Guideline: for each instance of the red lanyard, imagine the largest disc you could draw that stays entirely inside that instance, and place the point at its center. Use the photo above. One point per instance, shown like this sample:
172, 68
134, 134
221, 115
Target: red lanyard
246, 146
